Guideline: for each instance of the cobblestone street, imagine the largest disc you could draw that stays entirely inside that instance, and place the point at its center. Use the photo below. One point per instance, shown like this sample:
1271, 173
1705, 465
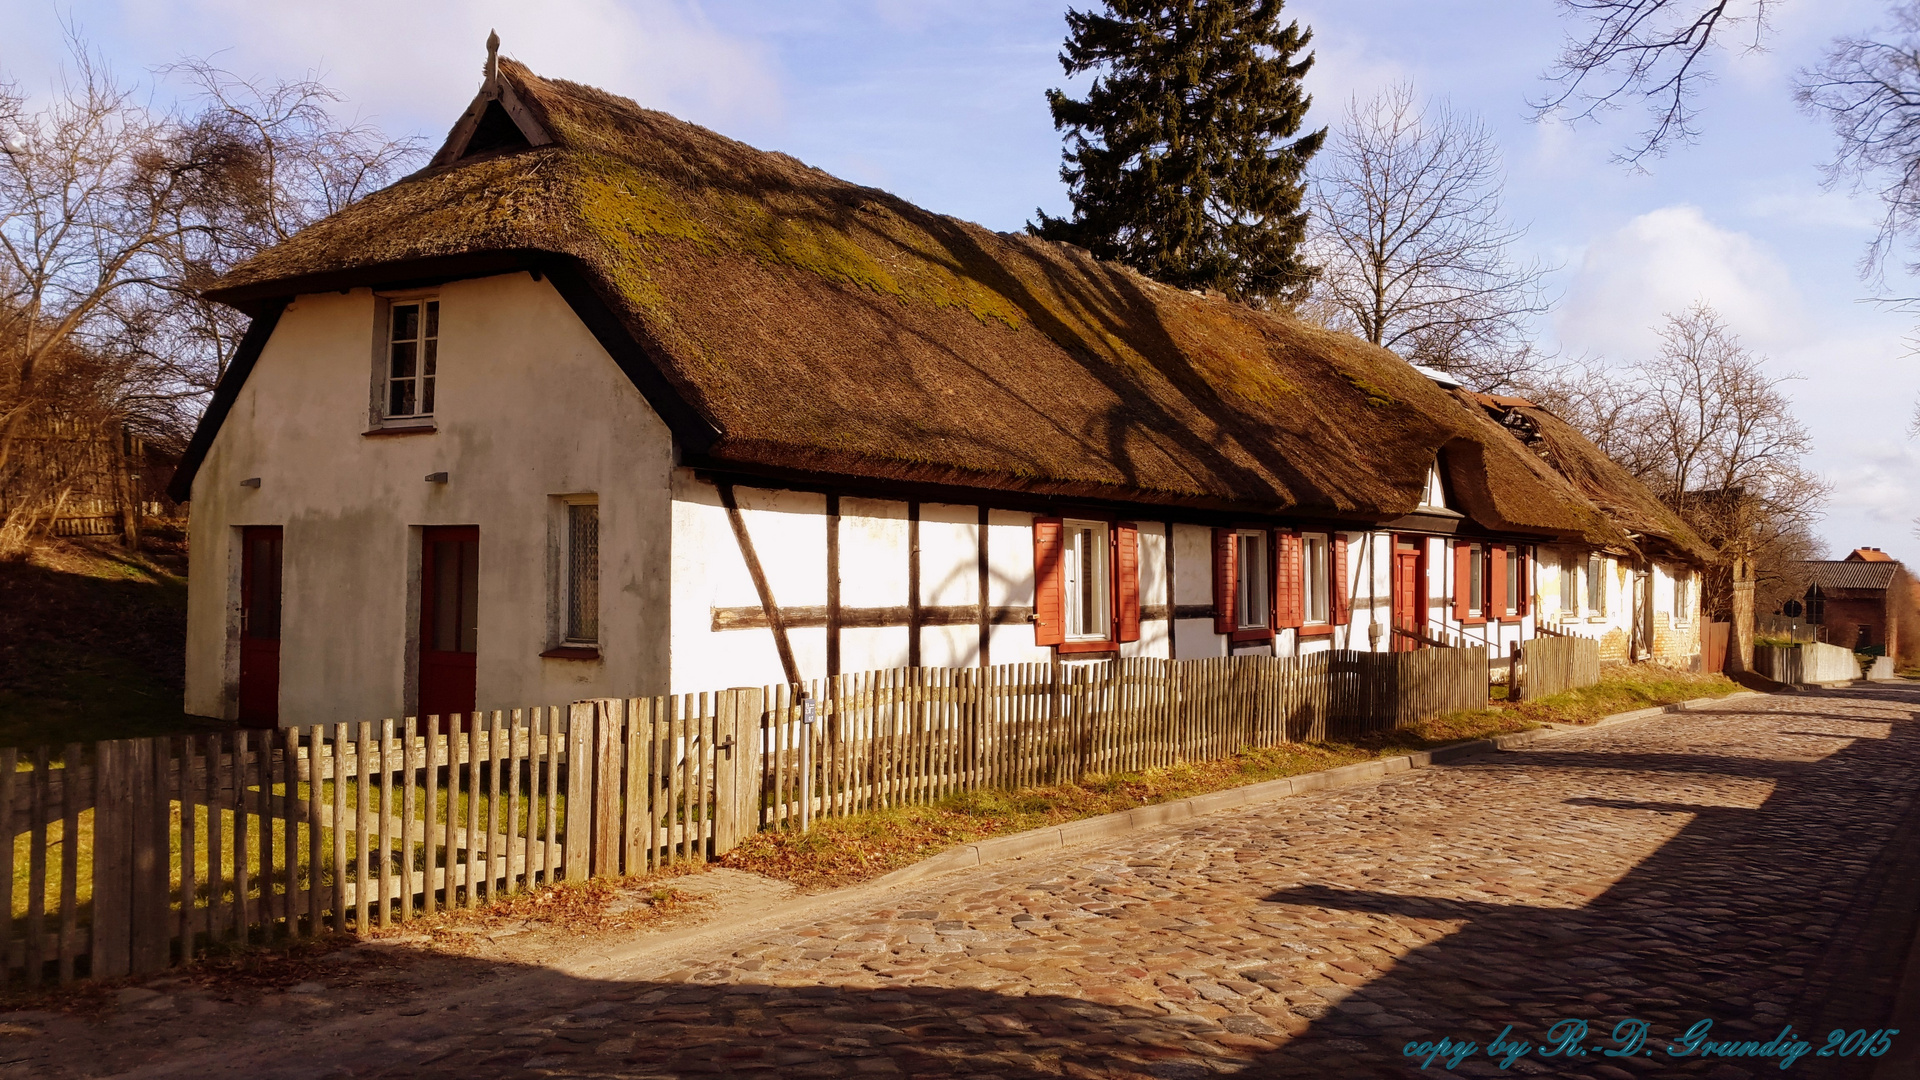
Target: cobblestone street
1753, 865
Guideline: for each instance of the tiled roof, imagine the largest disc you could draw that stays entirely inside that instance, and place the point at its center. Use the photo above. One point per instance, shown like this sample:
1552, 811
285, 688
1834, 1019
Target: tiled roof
1842, 574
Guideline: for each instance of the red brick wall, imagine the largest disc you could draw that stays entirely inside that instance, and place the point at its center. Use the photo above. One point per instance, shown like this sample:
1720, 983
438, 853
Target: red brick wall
1842, 619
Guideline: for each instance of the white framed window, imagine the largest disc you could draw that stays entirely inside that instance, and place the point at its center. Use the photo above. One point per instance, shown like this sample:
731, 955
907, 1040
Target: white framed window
1477, 580
1085, 581
410, 359
1253, 596
1682, 595
1596, 585
573, 603
1569, 587
1513, 582
1316, 573
1435, 495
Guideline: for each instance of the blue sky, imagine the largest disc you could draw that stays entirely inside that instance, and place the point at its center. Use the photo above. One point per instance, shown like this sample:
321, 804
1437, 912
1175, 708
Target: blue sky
942, 102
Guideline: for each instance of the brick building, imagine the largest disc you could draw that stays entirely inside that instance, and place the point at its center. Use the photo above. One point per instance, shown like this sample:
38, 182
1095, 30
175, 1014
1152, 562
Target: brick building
1852, 600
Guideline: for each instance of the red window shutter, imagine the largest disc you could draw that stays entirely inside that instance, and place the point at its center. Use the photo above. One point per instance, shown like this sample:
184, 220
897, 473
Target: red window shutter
1289, 602
1496, 605
1341, 608
1523, 604
1126, 580
1462, 578
1049, 621
1225, 576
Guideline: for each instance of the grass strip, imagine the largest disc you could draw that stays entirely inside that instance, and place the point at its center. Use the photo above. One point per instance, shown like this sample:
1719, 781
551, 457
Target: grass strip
1622, 688
843, 851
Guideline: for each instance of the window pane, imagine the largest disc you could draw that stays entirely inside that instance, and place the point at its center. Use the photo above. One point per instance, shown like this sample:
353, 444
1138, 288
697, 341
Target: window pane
1089, 603
1320, 589
446, 596
469, 595
583, 572
433, 318
426, 397
1476, 579
433, 357
263, 614
400, 398
1253, 591
1513, 582
406, 322
404, 355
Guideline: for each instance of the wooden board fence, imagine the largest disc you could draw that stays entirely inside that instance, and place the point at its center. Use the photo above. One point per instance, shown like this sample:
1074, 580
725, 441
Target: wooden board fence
1552, 665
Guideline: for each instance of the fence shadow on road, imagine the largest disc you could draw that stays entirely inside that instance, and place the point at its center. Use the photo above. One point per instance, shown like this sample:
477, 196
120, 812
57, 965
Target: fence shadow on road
1795, 912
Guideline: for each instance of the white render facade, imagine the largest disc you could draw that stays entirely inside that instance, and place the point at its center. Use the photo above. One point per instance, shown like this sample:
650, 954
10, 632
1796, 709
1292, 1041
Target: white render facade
532, 417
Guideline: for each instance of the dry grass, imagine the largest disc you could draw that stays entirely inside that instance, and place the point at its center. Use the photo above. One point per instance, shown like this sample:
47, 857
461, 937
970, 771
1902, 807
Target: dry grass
842, 851
1623, 688
596, 905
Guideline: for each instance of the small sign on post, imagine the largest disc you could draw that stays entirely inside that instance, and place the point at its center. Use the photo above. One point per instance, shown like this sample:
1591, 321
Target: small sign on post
806, 761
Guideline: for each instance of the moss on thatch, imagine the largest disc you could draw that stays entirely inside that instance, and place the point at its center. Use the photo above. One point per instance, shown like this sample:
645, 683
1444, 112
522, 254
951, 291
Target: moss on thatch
824, 326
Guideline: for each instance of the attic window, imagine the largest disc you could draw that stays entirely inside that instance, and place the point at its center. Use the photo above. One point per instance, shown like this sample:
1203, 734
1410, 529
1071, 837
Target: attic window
1436, 494
495, 131
412, 359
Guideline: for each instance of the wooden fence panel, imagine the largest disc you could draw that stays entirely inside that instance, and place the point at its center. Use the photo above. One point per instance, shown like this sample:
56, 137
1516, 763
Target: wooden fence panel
1552, 665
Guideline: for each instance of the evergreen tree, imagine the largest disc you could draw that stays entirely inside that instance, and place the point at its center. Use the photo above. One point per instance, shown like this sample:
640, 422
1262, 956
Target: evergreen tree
1183, 159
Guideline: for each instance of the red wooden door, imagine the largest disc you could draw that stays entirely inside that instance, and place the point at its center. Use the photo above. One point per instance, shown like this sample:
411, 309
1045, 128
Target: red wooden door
449, 618
260, 552
1407, 597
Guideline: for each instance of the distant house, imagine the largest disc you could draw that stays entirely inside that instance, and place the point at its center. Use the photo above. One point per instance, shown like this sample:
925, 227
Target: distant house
1641, 600
1855, 600
601, 402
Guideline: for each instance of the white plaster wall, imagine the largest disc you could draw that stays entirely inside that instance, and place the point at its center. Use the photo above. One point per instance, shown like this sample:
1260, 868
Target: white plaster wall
1010, 584
1194, 639
529, 407
789, 537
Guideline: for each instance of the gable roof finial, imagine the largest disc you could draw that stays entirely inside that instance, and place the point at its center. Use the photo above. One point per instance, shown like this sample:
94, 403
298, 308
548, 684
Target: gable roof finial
493, 61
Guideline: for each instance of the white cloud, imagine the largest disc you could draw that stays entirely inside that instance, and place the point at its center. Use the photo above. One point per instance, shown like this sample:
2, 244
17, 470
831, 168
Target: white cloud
419, 62
1664, 261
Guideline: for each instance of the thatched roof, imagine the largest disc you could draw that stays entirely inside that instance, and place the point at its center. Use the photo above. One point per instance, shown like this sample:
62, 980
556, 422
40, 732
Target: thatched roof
1602, 480
821, 327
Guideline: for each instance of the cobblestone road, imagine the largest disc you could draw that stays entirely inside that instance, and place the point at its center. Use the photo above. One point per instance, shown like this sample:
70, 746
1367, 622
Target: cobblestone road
1755, 867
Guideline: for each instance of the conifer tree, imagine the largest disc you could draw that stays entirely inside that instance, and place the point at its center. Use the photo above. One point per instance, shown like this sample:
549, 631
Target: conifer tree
1183, 159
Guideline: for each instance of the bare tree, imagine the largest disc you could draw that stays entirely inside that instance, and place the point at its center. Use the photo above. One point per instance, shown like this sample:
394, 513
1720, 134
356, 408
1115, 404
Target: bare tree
276, 159
114, 214
1713, 434
89, 198
1868, 89
1415, 253
1651, 50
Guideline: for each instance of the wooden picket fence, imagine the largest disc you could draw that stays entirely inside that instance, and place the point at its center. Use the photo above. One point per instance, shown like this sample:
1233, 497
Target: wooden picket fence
132, 855
1550, 665
140, 853
917, 735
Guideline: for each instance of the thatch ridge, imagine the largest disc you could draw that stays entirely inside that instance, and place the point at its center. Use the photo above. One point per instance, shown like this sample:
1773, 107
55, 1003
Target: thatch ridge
829, 327
1603, 481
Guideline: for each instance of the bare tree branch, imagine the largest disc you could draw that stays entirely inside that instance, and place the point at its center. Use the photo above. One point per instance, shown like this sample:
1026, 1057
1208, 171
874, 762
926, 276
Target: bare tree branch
1415, 252
1651, 50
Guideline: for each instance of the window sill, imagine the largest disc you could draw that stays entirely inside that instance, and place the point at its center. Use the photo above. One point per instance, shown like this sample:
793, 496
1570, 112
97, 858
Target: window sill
1475, 620
1596, 618
1317, 630
1251, 635
572, 652
399, 429
1070, 648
